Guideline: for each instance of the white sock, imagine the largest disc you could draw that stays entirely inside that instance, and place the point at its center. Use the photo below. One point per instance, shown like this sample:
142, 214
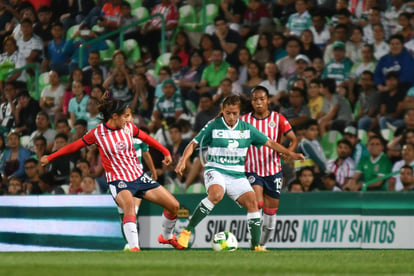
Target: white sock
168, 225
269, 224
131, 234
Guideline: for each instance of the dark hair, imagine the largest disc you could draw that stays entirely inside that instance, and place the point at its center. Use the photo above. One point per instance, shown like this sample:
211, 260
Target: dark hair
57, 24
125, 4
397, 36
109, 108
220, 18
307, 168
310, 69
40, 138
62, 121
26, 21
378, 137
81, 122
206, 95
48, 178
226, 79
44, 114
341, 26
344, 11
43, 8
76, 170
167, 69
344, 142
177, 58
294, 182
392, 75
367, 72
310, 122
407, 167
61, 135
83, 161
175, 125
330, 84
31, 160
260, 88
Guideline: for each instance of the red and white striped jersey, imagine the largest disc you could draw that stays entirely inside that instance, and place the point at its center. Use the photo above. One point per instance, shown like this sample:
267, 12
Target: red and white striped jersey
344, 171
119, 158
265, 161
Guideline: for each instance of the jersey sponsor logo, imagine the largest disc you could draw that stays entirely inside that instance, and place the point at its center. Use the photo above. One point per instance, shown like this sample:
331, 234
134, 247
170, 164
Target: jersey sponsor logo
120, 145
252, 179
233, 144
231, 134
122, 185
272, 124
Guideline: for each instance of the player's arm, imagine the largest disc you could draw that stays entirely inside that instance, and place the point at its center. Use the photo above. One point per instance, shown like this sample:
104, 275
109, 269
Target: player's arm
293, 140
186, 154
68, 149
148, 160
156, 145
281, 149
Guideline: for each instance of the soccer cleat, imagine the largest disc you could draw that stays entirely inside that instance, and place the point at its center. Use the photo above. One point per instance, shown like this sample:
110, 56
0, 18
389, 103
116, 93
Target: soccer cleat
184, 238
172, 241
135, 249
260, 248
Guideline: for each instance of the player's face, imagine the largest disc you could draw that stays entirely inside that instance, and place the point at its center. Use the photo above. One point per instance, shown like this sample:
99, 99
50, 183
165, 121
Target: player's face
123, 119
260, 101
231, 114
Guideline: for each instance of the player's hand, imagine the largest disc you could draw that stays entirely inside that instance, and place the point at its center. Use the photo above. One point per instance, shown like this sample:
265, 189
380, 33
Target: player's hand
180, 168
44, 161
154, 175
167, 160
298, 156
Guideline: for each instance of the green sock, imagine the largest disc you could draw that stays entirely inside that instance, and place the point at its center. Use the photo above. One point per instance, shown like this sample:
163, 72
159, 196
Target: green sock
203, 209
254, 228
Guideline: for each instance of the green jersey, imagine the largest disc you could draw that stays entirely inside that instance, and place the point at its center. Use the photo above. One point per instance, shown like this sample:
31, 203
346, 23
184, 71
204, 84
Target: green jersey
140, 147
372, 169
339, 71
227, 147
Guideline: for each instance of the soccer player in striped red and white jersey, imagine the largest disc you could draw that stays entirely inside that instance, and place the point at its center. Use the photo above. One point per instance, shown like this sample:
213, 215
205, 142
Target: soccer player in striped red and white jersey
114, 138
263, 165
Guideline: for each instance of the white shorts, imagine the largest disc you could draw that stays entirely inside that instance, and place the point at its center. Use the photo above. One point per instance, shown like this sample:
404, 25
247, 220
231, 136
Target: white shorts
233, 187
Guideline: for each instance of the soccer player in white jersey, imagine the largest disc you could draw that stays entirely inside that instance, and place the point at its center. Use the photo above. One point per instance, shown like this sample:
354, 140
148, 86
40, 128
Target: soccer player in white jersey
114, 137
228, 140
263, 165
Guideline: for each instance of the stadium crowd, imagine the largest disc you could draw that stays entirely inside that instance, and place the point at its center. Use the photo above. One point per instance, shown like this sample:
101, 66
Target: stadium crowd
341, 72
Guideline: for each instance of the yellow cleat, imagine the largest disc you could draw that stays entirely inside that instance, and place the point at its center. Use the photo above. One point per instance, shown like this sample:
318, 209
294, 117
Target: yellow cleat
260, 248
184, 238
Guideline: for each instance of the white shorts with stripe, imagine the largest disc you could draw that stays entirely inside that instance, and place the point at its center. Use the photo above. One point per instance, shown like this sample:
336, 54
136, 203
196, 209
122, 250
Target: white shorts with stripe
233, 187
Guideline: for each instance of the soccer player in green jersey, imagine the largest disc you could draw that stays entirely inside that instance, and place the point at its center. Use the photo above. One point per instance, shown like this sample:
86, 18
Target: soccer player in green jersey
228, 140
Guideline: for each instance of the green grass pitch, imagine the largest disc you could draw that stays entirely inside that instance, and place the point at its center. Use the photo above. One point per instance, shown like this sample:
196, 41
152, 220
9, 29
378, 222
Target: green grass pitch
208, 262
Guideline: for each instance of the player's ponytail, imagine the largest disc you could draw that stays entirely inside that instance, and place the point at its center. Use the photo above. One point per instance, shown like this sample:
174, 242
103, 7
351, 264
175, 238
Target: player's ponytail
110, 107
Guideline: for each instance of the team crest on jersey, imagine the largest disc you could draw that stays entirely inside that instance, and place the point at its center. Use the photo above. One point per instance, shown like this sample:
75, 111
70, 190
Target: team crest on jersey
120, 145
251, 179
122, 185
127, 130
272, 124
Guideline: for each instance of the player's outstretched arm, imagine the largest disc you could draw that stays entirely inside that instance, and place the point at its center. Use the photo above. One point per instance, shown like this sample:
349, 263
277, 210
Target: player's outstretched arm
284, 151
68, 149
186, 154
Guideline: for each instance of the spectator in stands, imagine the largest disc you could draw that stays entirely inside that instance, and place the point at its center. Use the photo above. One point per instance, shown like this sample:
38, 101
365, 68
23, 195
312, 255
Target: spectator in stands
15, 186
61, 170
320, 31
275, 83
336, 110
110, 16
76, 74
311, 147
405, 28
306, 177
315, 99
256, 18
81, 127
84, 166
301, 62
206, 46
78, 104
392, 102
26, 13
374, 18
39, 149
6, 16
95, 64
244, 59
182, 48
407, 178
26, 111
43, 128
404, 134
407, 159
309, 49
163, 74
97, 80
177, 70
295, 186
339, 34
151, 32
264, 50
225, 90
368, 103
12, 159
398, 60
254, 78
207, 110
329, 183
48, 185
76, 13
8, 109
119, 84
343, 166
318, 64
126, 18
287, 65
368, 63
72, 48
51, 98
278, 45
394, 9
356, 44
170, 105
96, 169
31, 180
213, 73
55, 57
75, 182
140, 67
369, 168
62, 126
310, 74
11, 59
299, 21
381, 46
233, 11
93, 114
143, 101
339, 67
298, 112
30, 45
227, 40
43, 27
88, 185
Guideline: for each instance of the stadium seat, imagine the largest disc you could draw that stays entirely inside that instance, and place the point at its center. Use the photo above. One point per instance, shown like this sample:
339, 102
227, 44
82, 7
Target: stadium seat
329, 141
135, 3
141, 13
196, 188
162, 60
43, 81
211, 12
363, 136
71, 31
97, 29
251, 43
187, 15
387, 134
132, 50
356, 110
106, 55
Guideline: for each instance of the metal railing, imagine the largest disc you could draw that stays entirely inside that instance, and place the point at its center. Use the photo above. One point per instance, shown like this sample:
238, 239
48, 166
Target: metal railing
121, 35
36, 79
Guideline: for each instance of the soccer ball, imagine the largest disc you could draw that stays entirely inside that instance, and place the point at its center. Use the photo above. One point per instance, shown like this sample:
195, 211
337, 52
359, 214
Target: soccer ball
224, 241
